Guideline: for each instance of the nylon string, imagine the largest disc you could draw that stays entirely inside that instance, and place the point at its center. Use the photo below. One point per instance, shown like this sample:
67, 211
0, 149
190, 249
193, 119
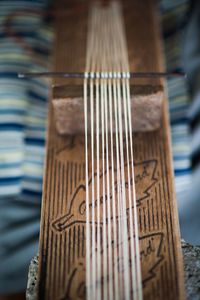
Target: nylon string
113, 269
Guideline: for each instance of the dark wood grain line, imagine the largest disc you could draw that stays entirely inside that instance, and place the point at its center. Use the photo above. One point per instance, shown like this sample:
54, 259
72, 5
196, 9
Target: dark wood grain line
55, 184
65, 243
149, 215
157, 209
65, 271
60, 237
71, 176
74, 243
63, 236
135, 152
50, 246
75, 174
153, 211
78, 242
61, 262
144, 219
55, 267
83, 240
140, 220
140, 151
54, 238
151, 148
62, 188
57, 203
67, 180
45, 237
158, 287
168, 282
168, 227
58, 189
79, 172
153, 293
42, 293
161, 205
176, 285
69, 251
163, 279
146, 147
83, 170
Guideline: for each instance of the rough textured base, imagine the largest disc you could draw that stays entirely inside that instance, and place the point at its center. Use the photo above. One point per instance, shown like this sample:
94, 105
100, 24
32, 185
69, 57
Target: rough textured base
32, 284
191, 256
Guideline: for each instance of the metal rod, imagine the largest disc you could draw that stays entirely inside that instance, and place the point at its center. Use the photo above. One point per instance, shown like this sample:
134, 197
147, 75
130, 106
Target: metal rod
82, 75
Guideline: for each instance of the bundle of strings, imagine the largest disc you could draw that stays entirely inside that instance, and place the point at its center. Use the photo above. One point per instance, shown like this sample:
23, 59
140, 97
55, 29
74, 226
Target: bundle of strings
112, 242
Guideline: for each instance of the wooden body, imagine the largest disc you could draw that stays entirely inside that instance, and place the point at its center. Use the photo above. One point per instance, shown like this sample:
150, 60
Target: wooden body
62, 237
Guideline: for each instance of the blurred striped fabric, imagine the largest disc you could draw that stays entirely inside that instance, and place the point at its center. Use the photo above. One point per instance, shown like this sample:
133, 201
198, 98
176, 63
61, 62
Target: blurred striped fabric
23, 103
23, 115
174, 16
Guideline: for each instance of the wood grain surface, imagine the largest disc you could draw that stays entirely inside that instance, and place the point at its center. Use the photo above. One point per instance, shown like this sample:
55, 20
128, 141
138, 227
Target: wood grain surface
62, 235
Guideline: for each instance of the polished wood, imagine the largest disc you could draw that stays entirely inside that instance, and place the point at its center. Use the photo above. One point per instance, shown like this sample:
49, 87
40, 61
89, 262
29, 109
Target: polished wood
62, 235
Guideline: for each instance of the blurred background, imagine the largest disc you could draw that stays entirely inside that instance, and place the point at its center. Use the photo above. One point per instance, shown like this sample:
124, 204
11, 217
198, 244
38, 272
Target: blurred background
26, 40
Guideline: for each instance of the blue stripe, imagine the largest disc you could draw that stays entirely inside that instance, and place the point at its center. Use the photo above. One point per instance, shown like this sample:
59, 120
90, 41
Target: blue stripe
181, 120
35, 141
10, 180
12, 126
182, 171
33, 178
180, 157
8, 75
31, 193
37, 96
16, 111
8, 165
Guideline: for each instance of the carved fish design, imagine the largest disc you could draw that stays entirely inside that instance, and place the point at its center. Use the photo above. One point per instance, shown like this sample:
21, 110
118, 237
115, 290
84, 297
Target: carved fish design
151, 255
144, 180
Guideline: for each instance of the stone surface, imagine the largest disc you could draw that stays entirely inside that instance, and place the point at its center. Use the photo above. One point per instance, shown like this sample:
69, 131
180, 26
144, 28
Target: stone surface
32, 285
191, 256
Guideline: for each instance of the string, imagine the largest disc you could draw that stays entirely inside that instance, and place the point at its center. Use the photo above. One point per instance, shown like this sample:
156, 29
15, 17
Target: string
138, 271
92, 174
98, 189
90, 44
123, 237
98, 221
129, 190
110, 262
105, 54
116, 279
118, 180
88, 278
138, 266
104, 204
113, 220
137, 288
